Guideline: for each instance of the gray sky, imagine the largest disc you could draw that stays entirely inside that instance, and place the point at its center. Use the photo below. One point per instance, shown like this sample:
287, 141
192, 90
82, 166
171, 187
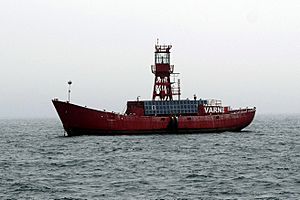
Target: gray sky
246, 53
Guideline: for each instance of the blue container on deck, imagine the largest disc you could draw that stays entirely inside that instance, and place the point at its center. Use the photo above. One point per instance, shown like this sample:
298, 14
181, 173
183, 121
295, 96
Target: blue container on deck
175, 107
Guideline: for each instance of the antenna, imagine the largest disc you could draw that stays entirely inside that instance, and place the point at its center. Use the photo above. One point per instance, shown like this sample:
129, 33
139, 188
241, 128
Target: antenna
157, 41
69, 90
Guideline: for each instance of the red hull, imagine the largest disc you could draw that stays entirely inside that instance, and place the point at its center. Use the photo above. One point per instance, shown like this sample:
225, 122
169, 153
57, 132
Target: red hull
78, 120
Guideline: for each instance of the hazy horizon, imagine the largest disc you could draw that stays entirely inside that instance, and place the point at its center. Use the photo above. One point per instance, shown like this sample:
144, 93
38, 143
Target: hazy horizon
245, 53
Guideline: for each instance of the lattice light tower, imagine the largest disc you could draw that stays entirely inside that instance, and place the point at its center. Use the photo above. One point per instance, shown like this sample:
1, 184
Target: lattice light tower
162, 71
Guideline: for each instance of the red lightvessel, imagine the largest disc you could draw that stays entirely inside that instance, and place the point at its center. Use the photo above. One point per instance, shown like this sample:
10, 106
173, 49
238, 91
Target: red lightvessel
162, 114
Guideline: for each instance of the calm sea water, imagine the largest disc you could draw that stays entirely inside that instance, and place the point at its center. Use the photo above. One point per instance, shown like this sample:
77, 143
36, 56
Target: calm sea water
262, 162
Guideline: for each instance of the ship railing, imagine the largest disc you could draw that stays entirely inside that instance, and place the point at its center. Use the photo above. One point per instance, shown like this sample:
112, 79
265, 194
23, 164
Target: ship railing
153, 69
214, 102
239, 110
171, 68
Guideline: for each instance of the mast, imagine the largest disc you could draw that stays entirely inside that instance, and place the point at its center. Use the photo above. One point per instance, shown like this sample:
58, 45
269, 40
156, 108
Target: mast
162, 69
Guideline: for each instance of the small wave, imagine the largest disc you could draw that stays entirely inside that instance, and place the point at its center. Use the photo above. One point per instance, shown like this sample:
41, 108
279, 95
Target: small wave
191, 176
